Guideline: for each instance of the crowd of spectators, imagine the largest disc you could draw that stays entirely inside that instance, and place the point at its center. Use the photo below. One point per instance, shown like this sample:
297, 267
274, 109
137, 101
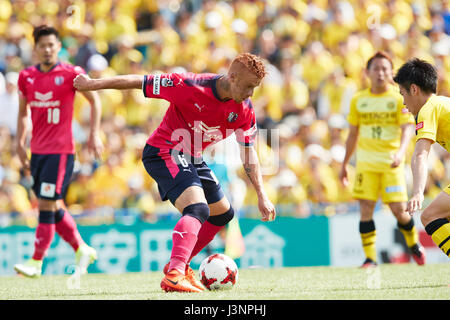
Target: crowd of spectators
315, 52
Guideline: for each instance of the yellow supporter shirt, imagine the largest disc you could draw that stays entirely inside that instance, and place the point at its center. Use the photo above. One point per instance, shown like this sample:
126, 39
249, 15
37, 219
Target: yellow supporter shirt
433, 121
379, 118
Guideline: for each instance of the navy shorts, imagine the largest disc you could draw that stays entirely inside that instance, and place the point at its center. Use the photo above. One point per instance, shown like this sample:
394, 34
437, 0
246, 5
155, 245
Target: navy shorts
51, 174
174, 172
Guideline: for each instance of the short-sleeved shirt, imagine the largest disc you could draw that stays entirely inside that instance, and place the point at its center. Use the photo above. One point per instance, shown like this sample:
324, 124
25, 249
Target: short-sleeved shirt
50, 96
197, 117
379, 118
433, 121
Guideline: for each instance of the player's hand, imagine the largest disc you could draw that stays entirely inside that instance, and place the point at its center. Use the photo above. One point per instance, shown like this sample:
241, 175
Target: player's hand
82, 82
267, 209
95, 145
343, 175
415, 203
396, 160
23, 157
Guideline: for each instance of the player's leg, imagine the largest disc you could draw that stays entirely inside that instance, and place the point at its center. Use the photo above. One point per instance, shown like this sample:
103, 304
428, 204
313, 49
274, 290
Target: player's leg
64, 223
436, 220
44, 187
394, 194
406, 226
221, 211
368, 231
178, 182
195, 211
366, 191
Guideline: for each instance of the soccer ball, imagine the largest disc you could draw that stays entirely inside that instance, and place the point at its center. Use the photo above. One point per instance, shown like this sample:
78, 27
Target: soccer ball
218, 272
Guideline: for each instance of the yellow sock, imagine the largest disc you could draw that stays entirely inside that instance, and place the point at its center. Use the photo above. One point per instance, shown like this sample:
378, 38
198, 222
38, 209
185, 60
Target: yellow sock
368, 242
368, 238
409, 231
440, 234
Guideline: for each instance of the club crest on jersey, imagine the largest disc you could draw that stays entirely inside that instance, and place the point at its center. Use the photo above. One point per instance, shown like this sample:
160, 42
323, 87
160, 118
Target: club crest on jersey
232, 117
165, 82
59, 80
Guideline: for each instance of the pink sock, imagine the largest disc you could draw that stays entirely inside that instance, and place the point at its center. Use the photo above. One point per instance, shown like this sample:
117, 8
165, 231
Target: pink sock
184, 237
205, 236
44, 236
67, 229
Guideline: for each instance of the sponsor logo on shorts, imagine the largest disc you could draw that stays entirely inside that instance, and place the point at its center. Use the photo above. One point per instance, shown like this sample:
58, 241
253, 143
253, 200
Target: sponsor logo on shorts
393, 189
48, 189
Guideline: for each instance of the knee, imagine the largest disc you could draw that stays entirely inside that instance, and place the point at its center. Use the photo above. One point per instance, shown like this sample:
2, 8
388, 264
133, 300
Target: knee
199, 211
222, 219
366, 209
427, 216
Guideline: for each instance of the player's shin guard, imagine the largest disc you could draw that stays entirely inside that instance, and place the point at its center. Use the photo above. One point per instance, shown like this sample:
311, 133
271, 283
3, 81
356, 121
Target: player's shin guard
439, 230
368, 238
185, 233
409, 232
209, 230
45, 232
67, 229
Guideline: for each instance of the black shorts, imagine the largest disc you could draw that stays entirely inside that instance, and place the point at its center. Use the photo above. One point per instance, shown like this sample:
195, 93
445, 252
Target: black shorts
174, 172
51, 174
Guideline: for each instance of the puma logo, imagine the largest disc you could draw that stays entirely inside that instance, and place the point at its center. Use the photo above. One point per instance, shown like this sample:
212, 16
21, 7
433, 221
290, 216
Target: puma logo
199, 107
180, 233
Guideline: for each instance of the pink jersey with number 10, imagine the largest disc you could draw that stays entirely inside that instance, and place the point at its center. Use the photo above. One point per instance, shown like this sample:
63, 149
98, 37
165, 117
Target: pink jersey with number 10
50, 96
196, 116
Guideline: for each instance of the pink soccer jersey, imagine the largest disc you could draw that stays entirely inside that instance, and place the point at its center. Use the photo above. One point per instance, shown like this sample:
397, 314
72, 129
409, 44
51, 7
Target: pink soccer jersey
50, 96
196, 116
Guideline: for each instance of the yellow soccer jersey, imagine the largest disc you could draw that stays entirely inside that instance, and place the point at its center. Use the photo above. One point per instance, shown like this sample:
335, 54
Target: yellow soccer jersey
433, 121
379, 118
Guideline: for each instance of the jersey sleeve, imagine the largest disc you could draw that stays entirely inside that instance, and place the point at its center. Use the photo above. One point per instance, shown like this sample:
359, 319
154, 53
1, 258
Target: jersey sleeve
21, 85
427, 123
165, 86
246, 133
353, 117
404, 116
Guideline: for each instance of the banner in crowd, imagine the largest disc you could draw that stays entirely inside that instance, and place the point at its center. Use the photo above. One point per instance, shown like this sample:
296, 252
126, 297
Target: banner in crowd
146, 247
345, 241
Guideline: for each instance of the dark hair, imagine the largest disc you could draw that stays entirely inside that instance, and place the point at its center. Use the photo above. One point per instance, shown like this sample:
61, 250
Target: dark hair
44, 30
379, 55
418, 72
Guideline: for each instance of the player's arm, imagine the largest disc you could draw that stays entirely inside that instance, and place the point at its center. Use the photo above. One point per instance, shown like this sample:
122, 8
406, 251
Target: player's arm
350, 146
94, 142
122, 82
22, 130
419, 167
252, 168
406, 135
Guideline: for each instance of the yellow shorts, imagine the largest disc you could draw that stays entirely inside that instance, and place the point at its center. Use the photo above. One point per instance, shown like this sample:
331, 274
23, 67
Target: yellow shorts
391, 185
447, 189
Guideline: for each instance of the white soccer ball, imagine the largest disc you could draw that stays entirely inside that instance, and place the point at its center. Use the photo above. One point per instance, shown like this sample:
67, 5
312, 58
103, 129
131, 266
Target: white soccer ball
218, 272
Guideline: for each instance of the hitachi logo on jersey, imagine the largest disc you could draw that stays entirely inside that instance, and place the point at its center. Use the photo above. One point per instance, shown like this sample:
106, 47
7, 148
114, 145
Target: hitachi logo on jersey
44, 100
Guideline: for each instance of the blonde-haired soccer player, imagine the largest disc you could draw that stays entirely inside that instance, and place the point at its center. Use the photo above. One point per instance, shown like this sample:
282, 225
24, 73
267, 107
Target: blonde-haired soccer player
380, 131
417, 80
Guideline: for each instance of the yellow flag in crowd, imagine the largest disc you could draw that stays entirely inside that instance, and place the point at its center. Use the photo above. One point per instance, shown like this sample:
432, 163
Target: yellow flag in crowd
234, 241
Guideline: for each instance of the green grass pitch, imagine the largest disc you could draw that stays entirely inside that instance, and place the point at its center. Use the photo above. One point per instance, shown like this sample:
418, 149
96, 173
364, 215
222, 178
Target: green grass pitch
387, 282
